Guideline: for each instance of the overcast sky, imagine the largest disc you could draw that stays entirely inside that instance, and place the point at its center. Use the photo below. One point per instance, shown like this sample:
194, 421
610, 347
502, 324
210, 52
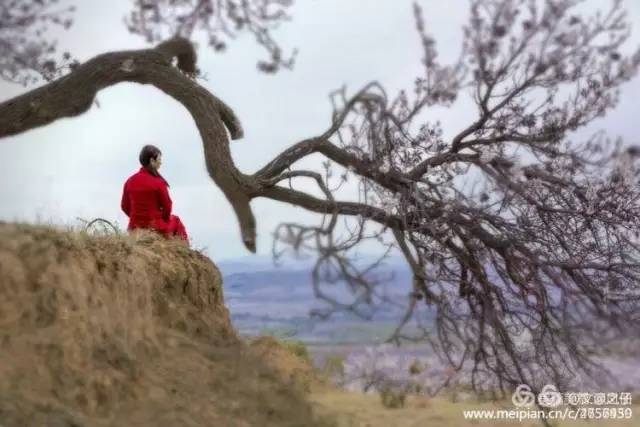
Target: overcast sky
76, 167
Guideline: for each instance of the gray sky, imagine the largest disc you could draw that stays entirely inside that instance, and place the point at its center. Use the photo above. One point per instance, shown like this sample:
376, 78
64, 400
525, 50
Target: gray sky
76, 167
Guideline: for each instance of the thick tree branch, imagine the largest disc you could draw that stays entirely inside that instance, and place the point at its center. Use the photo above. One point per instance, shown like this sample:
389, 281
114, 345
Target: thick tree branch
74, 93
392, 180
313, 204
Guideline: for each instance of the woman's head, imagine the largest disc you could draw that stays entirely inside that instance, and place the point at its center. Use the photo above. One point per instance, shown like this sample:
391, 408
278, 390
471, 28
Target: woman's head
151, 157
151, 160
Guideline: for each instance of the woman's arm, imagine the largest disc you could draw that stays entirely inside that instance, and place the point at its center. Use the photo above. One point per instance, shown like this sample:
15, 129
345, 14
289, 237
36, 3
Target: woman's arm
165, 201
125, 203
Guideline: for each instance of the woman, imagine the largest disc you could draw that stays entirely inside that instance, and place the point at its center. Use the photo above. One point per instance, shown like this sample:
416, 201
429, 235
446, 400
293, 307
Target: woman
145, 198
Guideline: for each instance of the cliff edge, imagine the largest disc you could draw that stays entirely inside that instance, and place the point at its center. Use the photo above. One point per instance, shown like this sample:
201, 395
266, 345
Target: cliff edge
123, 330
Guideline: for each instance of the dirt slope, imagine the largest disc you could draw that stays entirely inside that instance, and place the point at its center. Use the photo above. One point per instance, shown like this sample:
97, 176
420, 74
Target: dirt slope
126, 331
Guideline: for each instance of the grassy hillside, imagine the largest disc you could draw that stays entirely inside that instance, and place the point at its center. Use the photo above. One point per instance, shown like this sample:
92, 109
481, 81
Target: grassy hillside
132, 331
121, 330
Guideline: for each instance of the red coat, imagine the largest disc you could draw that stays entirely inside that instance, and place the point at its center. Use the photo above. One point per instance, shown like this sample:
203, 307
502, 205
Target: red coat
146, 201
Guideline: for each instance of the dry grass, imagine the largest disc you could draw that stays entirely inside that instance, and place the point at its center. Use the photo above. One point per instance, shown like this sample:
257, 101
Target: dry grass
281, 357
126, 330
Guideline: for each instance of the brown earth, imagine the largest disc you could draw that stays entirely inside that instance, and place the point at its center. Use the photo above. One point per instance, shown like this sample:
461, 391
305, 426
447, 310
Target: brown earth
130, 331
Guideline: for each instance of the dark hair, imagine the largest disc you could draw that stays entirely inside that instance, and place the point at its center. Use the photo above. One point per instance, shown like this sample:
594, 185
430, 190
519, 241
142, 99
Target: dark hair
147, 153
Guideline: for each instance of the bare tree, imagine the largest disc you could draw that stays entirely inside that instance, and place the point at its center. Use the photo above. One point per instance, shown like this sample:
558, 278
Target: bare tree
25, 52
219, 20
28, 54
530, 269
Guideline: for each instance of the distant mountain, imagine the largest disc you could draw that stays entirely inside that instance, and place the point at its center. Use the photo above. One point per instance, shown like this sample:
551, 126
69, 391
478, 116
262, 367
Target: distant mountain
254, 263
263, 297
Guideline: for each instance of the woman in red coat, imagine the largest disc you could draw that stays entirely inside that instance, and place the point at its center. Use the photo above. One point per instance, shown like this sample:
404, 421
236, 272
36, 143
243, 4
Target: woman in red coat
145, 198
